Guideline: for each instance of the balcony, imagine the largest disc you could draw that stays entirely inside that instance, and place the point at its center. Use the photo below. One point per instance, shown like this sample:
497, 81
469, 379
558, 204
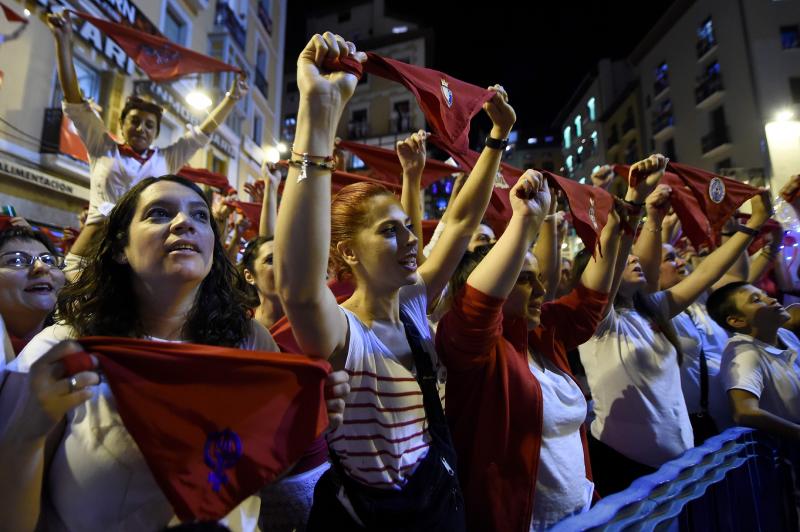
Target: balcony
663, 126
357, 130
225, 18
262, 84
715, 143
660, 87
264, 17
705, 47
400, 123
738, 480
709, 91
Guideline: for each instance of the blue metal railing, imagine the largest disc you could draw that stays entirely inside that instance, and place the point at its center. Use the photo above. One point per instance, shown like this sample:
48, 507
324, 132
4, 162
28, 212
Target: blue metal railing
738, 480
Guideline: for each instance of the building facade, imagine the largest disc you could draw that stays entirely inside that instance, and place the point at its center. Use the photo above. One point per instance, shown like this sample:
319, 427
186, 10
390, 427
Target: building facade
50, 187
584, 143
713, 74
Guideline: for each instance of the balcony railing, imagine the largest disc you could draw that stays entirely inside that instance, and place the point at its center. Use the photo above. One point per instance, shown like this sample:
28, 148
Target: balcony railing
262, 84
357, 130
738, 480
400, 123
705, 44
707, 86
715, 139
660, 85
225, 17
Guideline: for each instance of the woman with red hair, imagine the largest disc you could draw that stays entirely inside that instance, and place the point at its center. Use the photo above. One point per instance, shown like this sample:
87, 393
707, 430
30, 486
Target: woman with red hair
393, 460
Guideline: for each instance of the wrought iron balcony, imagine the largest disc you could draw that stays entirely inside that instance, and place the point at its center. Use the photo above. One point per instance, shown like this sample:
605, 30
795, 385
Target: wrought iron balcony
226, 18
262, 84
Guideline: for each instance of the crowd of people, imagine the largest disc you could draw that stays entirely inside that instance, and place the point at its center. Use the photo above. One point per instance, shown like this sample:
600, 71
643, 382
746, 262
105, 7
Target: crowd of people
480, 383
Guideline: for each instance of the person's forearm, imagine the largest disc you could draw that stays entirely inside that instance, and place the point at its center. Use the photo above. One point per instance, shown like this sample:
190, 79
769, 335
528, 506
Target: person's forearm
599, 272
410, 200
496, 274
24, 463
269, 212
548, 254
304, 216
768, 422
66, 71
467, 210
216, 117
648, 249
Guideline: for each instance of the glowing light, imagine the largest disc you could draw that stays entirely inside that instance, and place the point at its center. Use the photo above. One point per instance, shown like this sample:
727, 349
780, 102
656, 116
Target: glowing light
271, 154
198, 100
784, 116
282, 147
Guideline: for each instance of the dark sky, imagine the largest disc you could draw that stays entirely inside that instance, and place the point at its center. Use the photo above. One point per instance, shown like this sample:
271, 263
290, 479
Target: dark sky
539, 51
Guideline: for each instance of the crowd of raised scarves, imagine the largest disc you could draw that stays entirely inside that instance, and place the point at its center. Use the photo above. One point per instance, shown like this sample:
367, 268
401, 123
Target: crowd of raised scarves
153, 382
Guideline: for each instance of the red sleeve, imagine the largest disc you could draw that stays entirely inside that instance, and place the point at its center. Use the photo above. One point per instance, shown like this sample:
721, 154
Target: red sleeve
569, 321
467, 334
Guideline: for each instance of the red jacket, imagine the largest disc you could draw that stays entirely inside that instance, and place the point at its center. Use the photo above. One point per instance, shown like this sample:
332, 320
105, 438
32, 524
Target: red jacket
494, 403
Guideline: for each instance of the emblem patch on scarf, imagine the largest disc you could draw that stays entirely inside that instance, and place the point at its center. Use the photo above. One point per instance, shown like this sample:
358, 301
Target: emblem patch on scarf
163, 55
222, 451
447, 93
716, 190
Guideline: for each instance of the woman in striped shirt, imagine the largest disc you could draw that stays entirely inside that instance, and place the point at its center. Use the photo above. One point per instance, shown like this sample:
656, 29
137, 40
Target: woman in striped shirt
393, 459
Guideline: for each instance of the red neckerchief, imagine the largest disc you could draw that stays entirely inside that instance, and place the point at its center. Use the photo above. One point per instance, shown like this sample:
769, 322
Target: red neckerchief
126, 151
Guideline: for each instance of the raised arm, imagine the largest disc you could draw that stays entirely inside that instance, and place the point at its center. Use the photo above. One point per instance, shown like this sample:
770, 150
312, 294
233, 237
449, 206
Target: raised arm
650, 171
303, 232
269, 201
218, 115
61, 26
412, 153
599, 272
496, 274
466, 211
747, 412
547, 250
648, 245
715, 265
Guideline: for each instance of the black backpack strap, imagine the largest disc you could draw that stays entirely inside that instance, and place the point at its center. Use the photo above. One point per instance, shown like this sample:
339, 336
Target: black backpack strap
703, 382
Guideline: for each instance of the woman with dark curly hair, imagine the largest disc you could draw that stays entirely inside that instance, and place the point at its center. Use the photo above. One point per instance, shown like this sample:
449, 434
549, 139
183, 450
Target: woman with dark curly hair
258, 278
159, 273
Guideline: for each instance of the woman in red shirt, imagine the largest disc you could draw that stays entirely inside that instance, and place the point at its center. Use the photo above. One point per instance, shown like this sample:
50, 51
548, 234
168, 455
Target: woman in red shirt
515, 412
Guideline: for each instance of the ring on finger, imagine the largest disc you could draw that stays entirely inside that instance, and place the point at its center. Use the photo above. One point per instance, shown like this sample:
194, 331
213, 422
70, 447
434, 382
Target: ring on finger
73, 384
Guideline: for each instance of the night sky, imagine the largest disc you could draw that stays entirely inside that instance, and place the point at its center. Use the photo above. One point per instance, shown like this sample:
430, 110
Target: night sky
539, 51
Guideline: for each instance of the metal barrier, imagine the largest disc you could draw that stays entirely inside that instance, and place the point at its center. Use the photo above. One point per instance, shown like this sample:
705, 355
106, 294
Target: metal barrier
738, 480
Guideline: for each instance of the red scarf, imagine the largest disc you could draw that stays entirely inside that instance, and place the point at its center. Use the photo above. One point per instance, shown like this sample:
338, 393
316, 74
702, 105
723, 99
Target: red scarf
126, 151
214, 424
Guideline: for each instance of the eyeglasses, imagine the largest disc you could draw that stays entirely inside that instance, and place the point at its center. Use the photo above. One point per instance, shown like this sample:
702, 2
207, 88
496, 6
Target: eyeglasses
19, 260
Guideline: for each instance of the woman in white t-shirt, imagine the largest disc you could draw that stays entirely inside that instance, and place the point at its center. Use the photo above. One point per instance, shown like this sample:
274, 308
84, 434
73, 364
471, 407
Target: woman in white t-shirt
160, 273
632, 362
394, 443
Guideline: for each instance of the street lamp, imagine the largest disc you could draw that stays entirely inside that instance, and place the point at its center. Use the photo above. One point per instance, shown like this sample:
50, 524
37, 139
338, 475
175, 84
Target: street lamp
199, 100
271, 154
783, 141
784, 116
282, 147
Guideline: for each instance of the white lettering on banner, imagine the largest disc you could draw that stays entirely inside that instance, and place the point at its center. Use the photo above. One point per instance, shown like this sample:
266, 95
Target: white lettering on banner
30, 175
124, 8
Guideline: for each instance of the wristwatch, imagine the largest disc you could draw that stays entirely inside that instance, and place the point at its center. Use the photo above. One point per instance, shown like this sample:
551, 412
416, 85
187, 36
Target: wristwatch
495, 144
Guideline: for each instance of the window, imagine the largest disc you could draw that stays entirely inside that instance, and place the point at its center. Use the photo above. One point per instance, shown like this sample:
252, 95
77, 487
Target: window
260, 80
218, 165
790, 37
578, 126
794, 87
662, 78
706, 32
359, 123
174, 26
669, 150
88, 81
401, 117
289, 125
567, 137
591, 109
261, 60
594, 138
713, 69
258, 128
569, 163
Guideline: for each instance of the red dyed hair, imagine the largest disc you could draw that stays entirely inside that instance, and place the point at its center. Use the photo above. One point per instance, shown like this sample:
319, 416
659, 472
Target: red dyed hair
350, 213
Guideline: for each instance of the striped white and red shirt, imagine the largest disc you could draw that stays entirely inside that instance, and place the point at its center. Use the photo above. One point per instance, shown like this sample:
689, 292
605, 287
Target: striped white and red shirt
385, 432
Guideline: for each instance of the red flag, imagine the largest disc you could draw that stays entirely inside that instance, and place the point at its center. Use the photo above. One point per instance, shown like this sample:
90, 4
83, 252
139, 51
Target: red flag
386, 163
159, 58
251, 211
718, 196
69, 142
214, 424
588, 205
448, 103
11, 15
694, 223
207, 177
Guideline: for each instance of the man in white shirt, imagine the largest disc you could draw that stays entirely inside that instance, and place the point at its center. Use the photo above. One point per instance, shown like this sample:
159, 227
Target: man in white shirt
759, 371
